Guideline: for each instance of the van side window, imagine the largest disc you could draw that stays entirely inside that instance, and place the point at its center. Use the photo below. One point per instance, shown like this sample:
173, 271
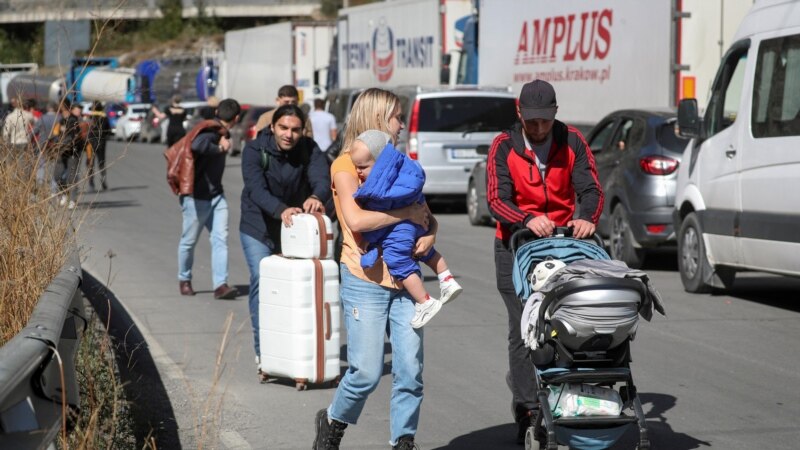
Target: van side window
776, 91
726, 93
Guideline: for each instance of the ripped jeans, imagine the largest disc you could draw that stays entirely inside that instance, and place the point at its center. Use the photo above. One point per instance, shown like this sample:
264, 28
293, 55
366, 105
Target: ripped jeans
370, 312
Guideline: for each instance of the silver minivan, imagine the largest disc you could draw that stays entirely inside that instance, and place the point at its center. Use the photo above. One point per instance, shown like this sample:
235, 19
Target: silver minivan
444, 127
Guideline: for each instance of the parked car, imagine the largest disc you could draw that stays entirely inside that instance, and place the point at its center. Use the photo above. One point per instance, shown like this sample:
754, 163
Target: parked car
129, 124
245, 130
477, 208
113, 113
737, 198
444, 127
637, 155
151, 128
339, 102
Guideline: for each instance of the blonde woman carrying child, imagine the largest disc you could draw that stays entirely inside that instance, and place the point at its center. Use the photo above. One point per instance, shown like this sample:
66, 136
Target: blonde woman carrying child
397, 182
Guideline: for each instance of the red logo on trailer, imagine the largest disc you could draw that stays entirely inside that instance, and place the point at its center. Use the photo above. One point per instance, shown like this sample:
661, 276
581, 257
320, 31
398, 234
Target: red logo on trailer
383, 52
581, 36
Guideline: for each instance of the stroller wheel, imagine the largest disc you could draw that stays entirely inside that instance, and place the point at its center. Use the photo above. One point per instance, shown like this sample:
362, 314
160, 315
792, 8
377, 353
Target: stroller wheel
530, 439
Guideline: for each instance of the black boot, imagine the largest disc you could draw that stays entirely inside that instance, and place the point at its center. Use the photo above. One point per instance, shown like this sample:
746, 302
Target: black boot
405, 443
329, 434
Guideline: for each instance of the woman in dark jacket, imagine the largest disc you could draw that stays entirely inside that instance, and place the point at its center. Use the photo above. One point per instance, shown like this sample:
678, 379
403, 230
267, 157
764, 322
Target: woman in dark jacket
284, 173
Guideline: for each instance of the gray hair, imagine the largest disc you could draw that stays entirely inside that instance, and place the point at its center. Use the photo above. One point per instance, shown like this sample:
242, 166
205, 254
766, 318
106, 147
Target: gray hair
375, 140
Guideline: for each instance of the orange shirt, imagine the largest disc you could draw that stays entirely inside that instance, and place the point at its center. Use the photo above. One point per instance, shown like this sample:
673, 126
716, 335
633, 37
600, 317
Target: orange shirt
351, 242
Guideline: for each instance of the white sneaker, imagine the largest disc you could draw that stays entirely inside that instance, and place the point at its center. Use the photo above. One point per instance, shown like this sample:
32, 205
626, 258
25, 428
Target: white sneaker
71, 205
62, 200
425, 312
450, 290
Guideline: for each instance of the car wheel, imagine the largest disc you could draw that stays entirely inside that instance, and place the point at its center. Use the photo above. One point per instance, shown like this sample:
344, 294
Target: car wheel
622, 241
692, 262
473, 206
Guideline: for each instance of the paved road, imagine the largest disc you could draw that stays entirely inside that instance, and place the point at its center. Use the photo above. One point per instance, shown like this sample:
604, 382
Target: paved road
721, 371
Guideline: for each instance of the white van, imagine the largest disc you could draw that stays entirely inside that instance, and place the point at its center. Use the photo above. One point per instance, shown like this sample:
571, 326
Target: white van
738, 198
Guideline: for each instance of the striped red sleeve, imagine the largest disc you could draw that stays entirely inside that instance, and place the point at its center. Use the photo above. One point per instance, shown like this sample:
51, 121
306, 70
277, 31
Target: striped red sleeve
585, 180
499, 185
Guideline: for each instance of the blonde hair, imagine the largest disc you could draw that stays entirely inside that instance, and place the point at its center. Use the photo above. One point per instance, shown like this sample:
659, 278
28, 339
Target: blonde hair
372, 111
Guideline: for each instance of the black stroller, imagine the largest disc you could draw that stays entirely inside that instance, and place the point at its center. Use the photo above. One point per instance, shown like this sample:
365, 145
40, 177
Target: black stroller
580, 336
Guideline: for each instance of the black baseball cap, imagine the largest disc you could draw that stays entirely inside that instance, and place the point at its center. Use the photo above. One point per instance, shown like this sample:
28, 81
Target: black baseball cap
537, 100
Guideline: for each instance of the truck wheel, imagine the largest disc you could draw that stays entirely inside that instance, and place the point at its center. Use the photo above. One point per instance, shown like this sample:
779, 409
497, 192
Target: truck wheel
622, 240
473, 206
692, 262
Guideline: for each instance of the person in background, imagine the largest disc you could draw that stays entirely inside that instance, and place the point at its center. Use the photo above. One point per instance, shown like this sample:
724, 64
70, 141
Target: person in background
374, 304
284, 173
534, 172
176, 115
324, 125
43, 135
287, 95
70, 147
99, 131
17, 128
206, 206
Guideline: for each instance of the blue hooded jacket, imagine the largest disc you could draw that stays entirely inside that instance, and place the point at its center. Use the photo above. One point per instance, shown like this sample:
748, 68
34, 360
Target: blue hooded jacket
395, 181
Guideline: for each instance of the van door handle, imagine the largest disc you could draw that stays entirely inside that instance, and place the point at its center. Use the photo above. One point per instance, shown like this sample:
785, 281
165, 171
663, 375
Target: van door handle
730, 152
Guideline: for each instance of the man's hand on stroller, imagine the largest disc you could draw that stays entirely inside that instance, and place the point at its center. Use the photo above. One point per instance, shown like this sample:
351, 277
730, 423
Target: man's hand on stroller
581, 229
541, 226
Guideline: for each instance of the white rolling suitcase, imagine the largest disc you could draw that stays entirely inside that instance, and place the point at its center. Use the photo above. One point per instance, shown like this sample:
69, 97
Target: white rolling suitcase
299, 320
310, 236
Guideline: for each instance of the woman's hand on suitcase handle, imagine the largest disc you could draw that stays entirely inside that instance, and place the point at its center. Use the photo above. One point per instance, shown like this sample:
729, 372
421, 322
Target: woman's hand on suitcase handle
312, 205
581, 229
286, 215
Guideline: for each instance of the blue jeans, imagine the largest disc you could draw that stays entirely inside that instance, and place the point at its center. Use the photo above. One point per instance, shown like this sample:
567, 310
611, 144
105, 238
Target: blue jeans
254, 252
213, 215
370, 311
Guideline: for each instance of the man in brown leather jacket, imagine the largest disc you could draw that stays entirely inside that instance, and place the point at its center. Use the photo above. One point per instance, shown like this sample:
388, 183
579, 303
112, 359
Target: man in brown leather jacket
206, 205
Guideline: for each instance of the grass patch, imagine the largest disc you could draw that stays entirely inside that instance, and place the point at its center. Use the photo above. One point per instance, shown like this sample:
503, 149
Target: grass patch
105, 420
35, 233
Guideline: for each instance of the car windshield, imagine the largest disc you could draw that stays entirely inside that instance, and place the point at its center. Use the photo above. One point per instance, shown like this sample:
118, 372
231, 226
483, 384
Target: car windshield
665, 134
466, 114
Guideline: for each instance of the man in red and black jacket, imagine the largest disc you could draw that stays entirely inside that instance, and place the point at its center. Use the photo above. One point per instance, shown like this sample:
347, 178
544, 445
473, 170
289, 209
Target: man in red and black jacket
533, 174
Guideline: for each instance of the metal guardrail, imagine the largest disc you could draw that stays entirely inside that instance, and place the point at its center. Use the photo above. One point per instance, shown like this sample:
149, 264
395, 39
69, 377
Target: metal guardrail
38, 382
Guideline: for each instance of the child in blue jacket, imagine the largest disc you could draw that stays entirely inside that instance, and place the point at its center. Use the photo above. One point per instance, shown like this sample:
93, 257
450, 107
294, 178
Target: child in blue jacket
398, 182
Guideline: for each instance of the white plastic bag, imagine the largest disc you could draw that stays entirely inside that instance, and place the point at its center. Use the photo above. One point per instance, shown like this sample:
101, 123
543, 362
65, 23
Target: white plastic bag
573, 399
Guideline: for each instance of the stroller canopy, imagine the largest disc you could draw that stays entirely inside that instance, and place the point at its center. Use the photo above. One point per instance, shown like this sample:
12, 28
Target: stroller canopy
562, 248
